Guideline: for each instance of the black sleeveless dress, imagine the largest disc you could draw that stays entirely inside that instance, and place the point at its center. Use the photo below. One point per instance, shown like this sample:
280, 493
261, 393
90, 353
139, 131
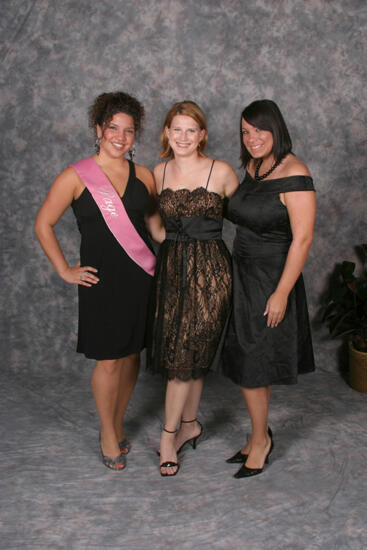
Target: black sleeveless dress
191, 293
255, 355
112, 313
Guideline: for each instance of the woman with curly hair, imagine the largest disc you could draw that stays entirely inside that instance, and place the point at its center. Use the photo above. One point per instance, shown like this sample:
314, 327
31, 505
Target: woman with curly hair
113, 202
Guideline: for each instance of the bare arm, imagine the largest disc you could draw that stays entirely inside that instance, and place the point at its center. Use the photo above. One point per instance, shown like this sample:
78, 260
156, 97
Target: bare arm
226, 179
231, 182
59, 198
153, 221
301, 206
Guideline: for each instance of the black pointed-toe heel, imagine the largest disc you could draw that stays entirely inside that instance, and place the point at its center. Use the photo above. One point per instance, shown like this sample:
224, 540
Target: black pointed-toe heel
244, 471
169, 463
240, 458
193, 440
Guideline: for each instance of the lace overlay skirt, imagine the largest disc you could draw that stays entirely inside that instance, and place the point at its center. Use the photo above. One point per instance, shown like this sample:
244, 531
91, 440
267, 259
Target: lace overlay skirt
189, 308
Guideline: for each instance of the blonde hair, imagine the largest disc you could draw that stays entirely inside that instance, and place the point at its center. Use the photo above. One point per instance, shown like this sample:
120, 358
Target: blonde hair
185, 108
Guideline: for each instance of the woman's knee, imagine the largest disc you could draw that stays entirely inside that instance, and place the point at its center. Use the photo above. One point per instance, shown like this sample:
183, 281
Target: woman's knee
110, 366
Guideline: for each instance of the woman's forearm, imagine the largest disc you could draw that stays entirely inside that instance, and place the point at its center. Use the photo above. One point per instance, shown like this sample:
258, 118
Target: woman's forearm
294, 264
47, 238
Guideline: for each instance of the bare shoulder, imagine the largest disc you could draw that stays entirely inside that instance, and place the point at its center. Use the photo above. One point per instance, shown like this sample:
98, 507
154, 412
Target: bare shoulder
146, 176
293, 166
223, 169
158, 174
66, 187
158, 170
68, 180
226, 177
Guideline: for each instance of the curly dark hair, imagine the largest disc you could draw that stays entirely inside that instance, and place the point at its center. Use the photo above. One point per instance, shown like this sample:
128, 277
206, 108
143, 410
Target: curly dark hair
108, 104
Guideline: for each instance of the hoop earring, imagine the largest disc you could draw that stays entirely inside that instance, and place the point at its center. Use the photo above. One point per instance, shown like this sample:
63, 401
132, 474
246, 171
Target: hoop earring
132, 153
97, 145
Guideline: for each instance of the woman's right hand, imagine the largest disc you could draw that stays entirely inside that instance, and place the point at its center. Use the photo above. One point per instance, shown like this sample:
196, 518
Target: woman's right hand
80, 275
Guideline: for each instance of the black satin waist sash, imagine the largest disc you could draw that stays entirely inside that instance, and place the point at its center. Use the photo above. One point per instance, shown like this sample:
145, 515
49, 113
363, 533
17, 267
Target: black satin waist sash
198, 228
195, 228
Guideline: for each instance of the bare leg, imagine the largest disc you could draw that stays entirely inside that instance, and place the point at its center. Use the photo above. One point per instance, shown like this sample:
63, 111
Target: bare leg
190, 411
247, 448
257, 401
105, 386
128, 377
269, 393
176, 396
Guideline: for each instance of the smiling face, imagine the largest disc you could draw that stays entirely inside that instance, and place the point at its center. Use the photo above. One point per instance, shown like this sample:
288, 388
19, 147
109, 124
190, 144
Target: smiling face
117, 137
259, 143
184, 135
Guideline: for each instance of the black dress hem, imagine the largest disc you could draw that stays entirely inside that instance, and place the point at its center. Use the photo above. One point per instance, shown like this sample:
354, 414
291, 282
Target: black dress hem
111, 358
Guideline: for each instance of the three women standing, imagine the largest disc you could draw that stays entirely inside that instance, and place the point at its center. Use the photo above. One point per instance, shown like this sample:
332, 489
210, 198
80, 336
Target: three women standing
269, 340
192, 289
112, 200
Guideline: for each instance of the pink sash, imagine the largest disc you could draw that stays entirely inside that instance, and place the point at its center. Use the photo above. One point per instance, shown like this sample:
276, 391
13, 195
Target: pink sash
114, 213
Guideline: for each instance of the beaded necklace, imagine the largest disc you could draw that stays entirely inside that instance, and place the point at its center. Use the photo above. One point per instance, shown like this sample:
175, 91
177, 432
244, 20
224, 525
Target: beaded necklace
266, 174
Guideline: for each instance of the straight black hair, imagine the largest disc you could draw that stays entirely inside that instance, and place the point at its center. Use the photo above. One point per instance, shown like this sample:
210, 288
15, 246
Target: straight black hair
265, 115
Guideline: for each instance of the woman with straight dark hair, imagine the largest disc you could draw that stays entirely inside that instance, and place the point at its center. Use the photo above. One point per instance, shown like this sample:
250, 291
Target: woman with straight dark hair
269, 339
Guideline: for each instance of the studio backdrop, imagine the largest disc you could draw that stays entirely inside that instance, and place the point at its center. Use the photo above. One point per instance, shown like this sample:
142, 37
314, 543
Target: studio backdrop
58, 55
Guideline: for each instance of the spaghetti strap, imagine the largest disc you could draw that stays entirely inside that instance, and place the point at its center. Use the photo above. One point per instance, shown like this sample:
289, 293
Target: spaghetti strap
164, 174
210, 173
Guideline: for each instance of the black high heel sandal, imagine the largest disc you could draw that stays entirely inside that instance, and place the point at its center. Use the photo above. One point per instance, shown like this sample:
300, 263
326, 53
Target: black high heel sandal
244, 471
193, 440
240, 458
116, 463
169, 463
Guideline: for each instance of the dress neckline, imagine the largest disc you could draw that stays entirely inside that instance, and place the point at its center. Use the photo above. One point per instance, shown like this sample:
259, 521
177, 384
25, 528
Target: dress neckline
131, 170
190, 191
131, 175
277, 179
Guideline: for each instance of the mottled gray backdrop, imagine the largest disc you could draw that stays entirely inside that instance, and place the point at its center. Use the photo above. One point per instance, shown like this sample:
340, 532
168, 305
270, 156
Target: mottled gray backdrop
57, 55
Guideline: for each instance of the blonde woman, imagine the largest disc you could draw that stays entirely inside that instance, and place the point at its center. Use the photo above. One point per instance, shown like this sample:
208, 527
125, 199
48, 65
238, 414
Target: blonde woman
192, 286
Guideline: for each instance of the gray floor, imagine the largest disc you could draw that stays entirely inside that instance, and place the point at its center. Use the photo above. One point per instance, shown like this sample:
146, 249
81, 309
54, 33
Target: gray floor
55, 492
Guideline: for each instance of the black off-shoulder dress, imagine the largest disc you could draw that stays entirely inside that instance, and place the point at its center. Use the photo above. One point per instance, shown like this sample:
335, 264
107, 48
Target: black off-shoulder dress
255, 355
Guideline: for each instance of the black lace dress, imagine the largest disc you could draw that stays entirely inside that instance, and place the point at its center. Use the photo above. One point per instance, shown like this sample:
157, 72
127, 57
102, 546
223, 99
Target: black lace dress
192, 288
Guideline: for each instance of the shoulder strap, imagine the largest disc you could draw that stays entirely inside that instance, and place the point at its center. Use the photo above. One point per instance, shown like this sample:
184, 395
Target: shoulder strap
286, 184
210, 173
164, 174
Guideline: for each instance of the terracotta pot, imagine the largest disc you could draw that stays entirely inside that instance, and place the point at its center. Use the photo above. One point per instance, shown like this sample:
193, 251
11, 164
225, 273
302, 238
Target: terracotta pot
357, 369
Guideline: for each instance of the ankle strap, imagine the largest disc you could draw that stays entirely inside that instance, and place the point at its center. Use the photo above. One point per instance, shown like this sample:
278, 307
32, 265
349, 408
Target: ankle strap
168, 431
188, 421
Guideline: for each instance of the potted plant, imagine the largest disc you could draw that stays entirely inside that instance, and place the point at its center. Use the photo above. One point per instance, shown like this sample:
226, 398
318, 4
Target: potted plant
345, 313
